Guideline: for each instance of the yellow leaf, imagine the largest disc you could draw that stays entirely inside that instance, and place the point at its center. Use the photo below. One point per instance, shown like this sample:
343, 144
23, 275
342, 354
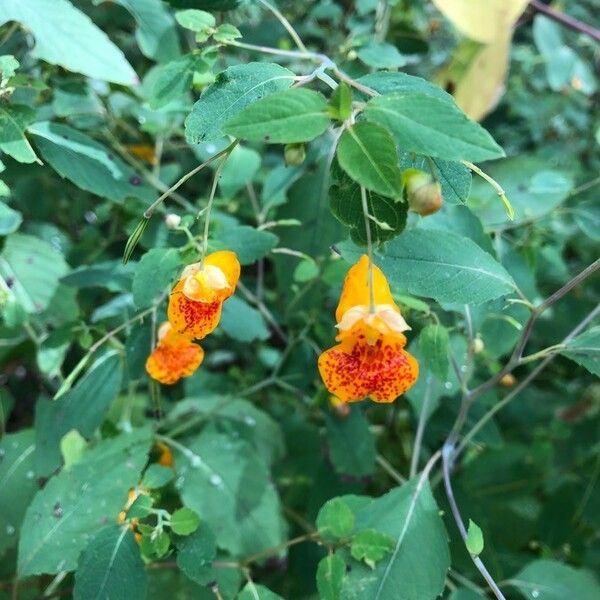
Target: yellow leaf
482, 20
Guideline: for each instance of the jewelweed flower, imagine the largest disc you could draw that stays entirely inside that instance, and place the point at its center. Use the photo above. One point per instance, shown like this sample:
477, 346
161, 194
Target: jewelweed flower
174, 357
197, 298
370, 360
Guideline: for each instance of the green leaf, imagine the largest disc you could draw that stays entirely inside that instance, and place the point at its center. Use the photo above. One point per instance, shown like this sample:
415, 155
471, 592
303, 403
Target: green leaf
410, 516
371, 546
195, 554
76, 503
234, 89
330, 577
174, 79
141, 507
18, 484
335, 520
552, 580
441, 265
8, 66
248, 243
585, 350
195, 20
227, 484
381, 56
111, 567
287, 116
155, 271
67, 37
351, 444
239, 169
32, 269
388, 82
242, 322
72, 447
226, 32
184, 521
340, 103
428, 125
112, 275
10, 220
87, 163
474, 541
255, 591
14, 119
368, 154
75, 410
157, 476
434, 340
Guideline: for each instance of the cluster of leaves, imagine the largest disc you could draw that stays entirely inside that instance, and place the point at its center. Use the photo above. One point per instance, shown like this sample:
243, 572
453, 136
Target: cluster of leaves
268, 489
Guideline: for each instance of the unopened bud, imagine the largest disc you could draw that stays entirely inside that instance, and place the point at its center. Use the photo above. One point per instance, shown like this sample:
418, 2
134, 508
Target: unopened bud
294, 154
339, 406
508, 380
477, 345
172, 221
423, 193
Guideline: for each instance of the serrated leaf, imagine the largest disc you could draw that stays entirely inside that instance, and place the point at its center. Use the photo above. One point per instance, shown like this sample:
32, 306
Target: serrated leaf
67, 37
434, 340
195, 20
196, 552
370, 546
233, 90
155, 271
330, 577
288, 116
368, 154
157, 476
427, 125
10, 220
174, 79
14, 119
184, 521
76, 503
441, 265
474, 541
585, 350
335, 520
242, 322
111, 567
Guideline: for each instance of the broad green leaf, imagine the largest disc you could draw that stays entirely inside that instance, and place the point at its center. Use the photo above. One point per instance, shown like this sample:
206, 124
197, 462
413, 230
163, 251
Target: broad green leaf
371, 546
174, 79
31, 269
242, 322
351, 444
441, 265
195, 20
76, 503
141, 507
585, 350
587, 216
155, 28
184, 521
255, 591
111, 567
552, 580
287, 116
8, 67
382, 56
434, 340
466, 594
87, 163
10, 220
233, 90
226, 32
368, 154
474, 541
112, 275
18, 484
195, 554
330, 577
428, 125
82, 408
157, 476
155, 271
335, 520
72, 446
67, 37
239, 170
14, 119
248, 243
411, 517
227, 484
205, 4
389, 82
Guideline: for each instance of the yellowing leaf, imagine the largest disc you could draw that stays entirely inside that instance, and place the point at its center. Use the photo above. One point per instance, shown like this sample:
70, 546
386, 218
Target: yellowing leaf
482, 20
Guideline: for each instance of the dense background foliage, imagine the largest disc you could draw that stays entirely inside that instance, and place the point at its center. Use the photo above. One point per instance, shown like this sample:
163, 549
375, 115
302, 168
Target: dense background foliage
251, 478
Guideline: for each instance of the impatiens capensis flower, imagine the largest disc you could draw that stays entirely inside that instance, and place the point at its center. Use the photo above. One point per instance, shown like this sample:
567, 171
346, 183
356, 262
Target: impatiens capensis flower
370, 360
197, 298
174, 357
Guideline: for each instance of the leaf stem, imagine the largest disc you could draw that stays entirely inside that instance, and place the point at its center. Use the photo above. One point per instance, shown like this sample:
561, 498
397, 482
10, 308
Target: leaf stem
497, 187
286, 24
365, 209
566, 20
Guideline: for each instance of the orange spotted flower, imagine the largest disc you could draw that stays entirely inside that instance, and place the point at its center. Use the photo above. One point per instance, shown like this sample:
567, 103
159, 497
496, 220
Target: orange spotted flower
174, 357
196, 300
370, 360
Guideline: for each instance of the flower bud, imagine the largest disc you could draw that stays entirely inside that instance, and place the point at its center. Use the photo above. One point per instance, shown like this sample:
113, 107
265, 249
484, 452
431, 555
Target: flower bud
172, 221
508, 380
477, 346
294, 154
423, 193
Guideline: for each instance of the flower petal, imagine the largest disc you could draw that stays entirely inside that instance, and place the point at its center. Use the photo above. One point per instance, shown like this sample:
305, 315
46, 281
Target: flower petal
228, 263
195, 319
169, 362
356, 369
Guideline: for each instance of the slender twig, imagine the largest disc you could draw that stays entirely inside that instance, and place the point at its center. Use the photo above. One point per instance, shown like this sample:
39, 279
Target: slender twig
283, 546
447, 457
287, 25
565, 20
387, 467
209, 204
365, 209
423, 416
